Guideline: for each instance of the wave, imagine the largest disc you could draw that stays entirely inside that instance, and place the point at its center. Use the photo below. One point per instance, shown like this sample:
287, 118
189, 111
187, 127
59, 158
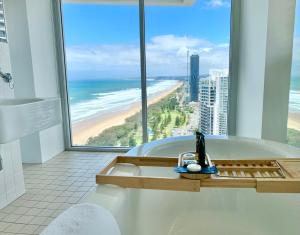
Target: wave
294, 104
113, 101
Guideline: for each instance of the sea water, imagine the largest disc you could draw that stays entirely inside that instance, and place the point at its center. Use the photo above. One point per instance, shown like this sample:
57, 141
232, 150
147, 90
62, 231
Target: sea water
91, 97
294, 104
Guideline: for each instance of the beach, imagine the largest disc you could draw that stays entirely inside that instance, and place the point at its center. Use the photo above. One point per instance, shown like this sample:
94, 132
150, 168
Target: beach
94, 125
294, 121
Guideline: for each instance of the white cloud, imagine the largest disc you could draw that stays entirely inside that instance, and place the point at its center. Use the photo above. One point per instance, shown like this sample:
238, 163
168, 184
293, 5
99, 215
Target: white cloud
218, 3
166, 55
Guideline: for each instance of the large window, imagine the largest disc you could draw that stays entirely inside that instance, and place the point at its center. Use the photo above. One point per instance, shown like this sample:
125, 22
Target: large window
103, 73
187, 51
187, 59
294, 105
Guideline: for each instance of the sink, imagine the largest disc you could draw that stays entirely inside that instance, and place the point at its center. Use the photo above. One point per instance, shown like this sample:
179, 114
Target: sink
21, 117
9, 102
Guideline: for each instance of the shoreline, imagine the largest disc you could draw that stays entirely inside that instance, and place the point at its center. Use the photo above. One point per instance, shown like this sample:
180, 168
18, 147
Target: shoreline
294, 121
95, 125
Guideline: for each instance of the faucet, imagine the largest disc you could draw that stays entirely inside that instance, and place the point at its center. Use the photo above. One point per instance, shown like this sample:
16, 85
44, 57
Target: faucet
8, 79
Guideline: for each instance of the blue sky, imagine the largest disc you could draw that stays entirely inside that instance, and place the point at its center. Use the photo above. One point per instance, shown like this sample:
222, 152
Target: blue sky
103, 40
95, 24
297, 23
296, 49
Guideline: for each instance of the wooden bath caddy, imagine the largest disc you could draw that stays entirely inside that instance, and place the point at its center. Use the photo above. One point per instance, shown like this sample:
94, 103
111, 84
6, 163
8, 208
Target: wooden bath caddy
272, 175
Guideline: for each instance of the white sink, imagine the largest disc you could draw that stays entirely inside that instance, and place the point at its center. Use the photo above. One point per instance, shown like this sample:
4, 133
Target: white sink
21, 117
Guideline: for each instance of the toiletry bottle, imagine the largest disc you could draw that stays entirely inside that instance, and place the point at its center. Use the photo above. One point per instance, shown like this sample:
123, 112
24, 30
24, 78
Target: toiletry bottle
200, 149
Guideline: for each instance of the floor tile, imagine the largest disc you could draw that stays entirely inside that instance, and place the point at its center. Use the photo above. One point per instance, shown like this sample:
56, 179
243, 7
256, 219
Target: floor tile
39, 220
10, 218
30, 229
21, 210
25, 219
51, 188
39, 229
33, 211
46, 212
3, 226
14, 228
9, 209
2, 215
41, 205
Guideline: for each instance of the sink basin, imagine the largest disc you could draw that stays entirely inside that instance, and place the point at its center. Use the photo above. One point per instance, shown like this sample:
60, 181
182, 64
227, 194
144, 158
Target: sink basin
21, 117
9, 102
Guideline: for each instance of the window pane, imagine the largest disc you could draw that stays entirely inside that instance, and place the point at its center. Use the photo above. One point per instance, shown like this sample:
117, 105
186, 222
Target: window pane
187, 49
294, 105
103, 71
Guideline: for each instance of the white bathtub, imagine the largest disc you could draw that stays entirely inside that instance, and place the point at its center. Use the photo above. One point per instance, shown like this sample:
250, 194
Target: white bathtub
211, 211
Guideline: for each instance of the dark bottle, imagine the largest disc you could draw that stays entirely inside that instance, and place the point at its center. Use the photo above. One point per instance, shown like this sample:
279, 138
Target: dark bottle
200, 149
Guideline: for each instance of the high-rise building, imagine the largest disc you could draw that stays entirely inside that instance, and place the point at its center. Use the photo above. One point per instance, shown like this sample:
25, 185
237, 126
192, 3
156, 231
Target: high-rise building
221, 106
213, 100
207, 101
194, 78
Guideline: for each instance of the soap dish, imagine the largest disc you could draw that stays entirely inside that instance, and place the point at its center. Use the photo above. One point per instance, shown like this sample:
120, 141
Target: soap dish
205, 172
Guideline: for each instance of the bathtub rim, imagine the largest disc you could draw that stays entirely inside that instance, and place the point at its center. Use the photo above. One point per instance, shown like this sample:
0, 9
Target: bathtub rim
145, 149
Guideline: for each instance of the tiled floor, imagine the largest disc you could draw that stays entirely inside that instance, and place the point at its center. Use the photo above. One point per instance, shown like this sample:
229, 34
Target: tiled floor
51, 188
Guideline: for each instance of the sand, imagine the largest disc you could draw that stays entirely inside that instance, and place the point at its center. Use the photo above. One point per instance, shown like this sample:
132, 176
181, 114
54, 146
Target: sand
294, 121
96, 124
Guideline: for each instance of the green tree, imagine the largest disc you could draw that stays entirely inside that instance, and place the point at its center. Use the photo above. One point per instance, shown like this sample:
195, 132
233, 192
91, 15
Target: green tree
177, 121
169, 118
132, 141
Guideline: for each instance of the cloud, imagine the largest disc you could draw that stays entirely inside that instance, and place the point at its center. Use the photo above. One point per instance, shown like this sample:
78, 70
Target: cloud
218, 3
166, 55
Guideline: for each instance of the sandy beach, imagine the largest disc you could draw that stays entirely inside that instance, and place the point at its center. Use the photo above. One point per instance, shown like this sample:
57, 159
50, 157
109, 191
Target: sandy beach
294, 121
96, 124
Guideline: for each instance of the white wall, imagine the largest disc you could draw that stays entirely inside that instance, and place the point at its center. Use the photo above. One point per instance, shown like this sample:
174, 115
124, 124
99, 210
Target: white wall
279, 52
11, 176
34, 67
12, 183
5, 91
266, 36
42, 41
253, 32
17, 29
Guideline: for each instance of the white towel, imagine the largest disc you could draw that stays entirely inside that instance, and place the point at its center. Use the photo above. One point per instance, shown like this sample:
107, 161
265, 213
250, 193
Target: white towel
84, 219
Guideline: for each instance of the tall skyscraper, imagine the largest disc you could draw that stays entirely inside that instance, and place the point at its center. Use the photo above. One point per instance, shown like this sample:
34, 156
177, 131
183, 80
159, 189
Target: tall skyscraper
214, 103
221, 106
194, 78
207, 101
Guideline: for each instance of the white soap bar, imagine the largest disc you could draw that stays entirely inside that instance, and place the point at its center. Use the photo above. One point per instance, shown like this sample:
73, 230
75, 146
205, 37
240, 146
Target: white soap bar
194, 167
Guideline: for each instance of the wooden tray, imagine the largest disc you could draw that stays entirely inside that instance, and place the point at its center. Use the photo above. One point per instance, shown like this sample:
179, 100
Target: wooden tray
275, 175
249, 169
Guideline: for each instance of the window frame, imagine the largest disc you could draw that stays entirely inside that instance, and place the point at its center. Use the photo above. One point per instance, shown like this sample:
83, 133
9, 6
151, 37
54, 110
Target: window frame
63, 85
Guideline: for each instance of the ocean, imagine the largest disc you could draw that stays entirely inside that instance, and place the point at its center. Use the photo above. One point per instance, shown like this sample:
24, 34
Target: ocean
90, 97
294, 104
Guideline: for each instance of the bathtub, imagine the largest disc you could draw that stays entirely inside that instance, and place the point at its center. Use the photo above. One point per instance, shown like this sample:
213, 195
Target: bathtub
210, 211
